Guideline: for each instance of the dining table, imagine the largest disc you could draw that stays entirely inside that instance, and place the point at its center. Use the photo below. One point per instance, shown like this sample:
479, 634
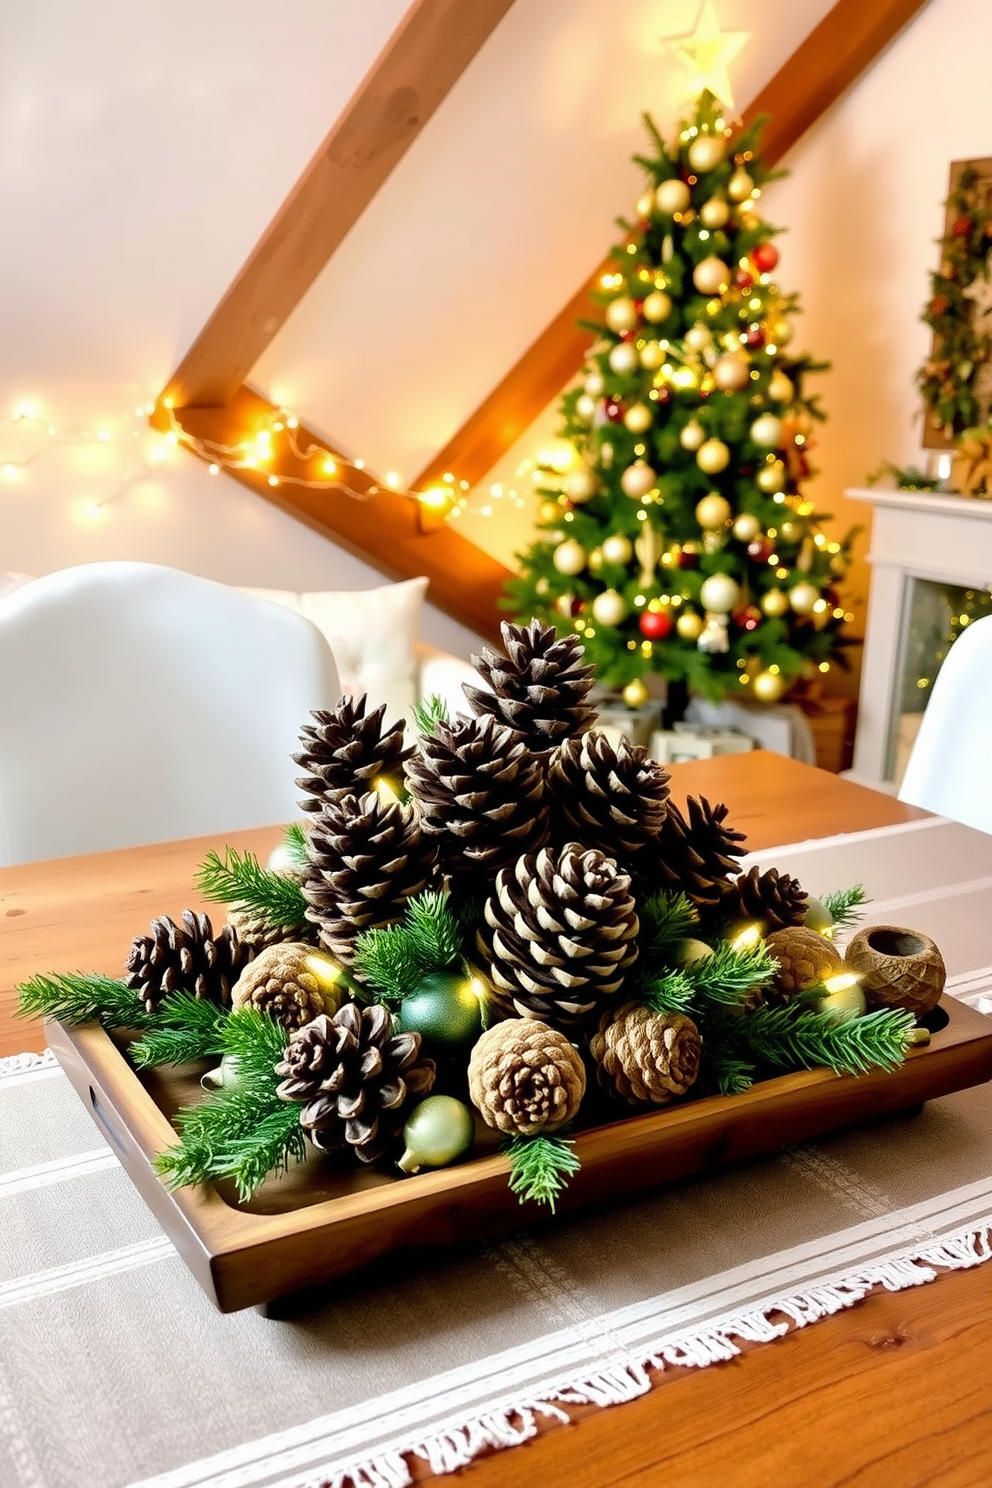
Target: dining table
894, 1391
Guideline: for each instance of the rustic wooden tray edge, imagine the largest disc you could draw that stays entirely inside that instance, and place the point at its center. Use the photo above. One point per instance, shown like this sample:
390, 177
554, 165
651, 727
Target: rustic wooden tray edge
241, 1259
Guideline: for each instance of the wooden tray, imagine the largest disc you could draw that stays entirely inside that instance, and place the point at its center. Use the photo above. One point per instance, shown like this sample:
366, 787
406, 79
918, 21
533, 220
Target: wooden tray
320, 1221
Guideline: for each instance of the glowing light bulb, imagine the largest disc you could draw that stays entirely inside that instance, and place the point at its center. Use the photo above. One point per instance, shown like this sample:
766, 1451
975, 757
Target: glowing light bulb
392, 479
385, 791
213, 469
749, 937
329, 466
292, 423
273, 480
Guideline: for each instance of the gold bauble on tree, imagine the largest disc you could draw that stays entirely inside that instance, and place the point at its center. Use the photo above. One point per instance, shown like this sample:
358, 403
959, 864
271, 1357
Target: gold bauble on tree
644, 205
780, 389
623, 358
714, 213
767, 431
652, 356
609, 608
621, 314
771, 477
775, 603
657, 306
719, 593
638, 479
689, 625
596, 560
732, 372
548, 511
593, 384
711, 276
672, 196
802, 597
713, 512
740, 185
780, 332
692, 435
706, 152
697, 337
569, 557
635, 694
617, 548
713, 456
638, 418
746, 527
585, 406
768, 687
581, 484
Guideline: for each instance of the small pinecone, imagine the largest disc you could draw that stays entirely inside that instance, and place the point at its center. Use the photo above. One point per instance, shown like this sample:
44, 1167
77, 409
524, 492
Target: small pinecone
365, 858
694, 857
343, 752
647, 1058
559, 934
613, 799
256, 932
353, 1078
538, 687
804, 960
525, 1078
186, 958
480, 790
282, 982
772, 897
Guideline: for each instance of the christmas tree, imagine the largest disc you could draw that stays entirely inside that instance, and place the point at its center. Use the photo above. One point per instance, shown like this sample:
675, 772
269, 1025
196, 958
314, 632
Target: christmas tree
677, 540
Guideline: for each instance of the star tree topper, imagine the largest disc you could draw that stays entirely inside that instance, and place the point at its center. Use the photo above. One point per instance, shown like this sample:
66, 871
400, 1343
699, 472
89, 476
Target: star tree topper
706, 53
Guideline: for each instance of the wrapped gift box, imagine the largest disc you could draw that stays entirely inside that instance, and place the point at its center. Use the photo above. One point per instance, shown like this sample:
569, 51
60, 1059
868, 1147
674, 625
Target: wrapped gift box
687, 741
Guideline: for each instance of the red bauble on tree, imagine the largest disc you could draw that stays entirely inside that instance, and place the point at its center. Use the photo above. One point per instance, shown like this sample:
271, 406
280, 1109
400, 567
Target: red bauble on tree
760, 550
743, 279
748, 618
655, 624
764, 257
613, 409
755, 337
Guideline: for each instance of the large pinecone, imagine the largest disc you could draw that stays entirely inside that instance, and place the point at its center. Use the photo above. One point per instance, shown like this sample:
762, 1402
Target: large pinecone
771, 897
255, 931
613, 799
290, 983
186, 958
559, 934
365, 858
344, 752
538, 687
646, 1058
694, 857
354, 1078
525, 1078
480, 790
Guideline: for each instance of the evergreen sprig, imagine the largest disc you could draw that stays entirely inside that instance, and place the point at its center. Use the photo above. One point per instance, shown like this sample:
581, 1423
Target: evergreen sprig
429, 712
78, 997
723, 1073
295, 843
845, 905
394, 960
540, 1167
665, 920
184, 1028
240, 881
789, 1038
669, 992
729, 974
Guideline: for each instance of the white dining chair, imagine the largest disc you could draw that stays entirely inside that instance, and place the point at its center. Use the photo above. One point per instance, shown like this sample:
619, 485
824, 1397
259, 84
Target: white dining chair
140, 704
950, 768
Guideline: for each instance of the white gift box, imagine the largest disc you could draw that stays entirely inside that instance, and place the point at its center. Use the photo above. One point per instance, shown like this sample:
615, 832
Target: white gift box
687, 742
636, 725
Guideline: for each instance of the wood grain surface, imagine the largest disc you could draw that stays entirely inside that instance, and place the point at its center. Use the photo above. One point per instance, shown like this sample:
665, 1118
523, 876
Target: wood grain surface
893, 1393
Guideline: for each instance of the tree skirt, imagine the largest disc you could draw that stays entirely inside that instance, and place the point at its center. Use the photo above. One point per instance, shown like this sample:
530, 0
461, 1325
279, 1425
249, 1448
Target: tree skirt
115, 1370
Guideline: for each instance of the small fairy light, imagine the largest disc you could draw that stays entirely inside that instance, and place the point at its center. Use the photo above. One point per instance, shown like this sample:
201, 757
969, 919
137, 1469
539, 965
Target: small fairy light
324, 969
329, 466
841, 982
392, 480
385, 790
748, 938
213, 469
273, 480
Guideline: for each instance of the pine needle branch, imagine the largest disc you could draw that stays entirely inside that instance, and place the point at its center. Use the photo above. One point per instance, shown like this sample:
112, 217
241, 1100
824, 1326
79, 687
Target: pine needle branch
241, 882
722, 1073
434, 931
295, 843
727, 975
383, 960
540, 1167
75, 997
665, 920
184, 1028
394, 960
429, 712
670, 992
788, 1038
844, 905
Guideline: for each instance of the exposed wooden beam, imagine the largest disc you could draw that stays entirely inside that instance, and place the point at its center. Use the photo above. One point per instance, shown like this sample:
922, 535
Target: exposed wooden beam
833, 56
383, 529
423, 59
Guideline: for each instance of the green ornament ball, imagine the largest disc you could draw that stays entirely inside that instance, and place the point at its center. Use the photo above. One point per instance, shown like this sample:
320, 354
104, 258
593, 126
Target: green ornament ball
842, 1002
227, 1075
445, 1009
690, 951
437, 1132
818, 917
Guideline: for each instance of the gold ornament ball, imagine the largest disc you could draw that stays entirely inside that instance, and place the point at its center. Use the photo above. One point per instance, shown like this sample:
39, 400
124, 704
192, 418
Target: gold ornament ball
581, 484
644, 205
775, 603
623, 358
768, 686
637, 479
563, 604
638, 418
569, 557
802, 598
635, 694
719, 593
780, 389
746, 527
706, 152
652, 356
692, 435
548, 511
790, 531
596, 560
711, 276
689, 625
609, 608
585, 406
713, 456
657, 306
697, 337
780, 332
767, 431
740, 186
617, 549
713, 512
771, 478
621, 314
672, 196
542, 586
594, 384
732, 372
714, 213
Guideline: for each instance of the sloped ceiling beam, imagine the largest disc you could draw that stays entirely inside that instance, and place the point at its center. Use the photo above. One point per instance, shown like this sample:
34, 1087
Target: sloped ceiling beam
834, 55
421, 62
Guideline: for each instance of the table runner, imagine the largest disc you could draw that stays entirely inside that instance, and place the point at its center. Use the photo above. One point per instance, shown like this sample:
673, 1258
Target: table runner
116, 1371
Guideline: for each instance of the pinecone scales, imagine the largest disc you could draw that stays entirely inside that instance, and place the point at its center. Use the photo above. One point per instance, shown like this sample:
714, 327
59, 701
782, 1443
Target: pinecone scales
613, 799
480, 791
353, 1078
697, 856
646, 1058
774, 898
186, 958
539, 687
559, 935
344, 752
365, 858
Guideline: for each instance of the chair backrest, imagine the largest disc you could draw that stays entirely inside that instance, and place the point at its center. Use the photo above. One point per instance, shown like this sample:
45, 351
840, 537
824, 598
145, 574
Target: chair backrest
140, 704
950, 768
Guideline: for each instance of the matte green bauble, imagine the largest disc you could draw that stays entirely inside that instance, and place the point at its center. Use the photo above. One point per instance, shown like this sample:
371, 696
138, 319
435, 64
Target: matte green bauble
689, 951
437, 1132
844, 1000
818, 917
444, 1009
227, 1075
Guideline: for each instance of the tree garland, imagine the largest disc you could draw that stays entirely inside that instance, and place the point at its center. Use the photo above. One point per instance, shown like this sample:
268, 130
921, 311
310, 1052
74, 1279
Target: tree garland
960, 347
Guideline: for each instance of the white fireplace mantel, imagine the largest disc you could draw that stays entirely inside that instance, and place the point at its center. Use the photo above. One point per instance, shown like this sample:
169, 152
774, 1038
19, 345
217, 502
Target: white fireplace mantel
915, 535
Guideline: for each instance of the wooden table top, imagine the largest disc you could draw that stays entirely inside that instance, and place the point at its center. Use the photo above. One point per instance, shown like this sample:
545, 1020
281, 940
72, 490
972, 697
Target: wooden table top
893, 1393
